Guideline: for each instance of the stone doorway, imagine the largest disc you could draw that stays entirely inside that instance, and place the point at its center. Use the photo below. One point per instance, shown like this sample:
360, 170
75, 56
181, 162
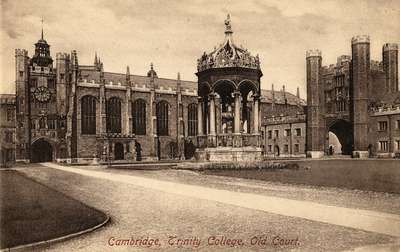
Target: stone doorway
276, 151
118, 151
41, 151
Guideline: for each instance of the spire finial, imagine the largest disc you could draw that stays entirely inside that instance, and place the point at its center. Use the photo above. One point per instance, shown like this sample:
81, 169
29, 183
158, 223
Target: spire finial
151, 66
128, 75
95, 59
228, 26
298, 92
42, 27
179, 76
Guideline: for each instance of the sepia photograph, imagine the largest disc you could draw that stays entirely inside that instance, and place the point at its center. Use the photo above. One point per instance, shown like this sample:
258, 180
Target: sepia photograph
151, 125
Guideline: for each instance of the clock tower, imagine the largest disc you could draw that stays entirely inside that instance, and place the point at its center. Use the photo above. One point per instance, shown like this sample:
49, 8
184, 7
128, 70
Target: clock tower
39, 123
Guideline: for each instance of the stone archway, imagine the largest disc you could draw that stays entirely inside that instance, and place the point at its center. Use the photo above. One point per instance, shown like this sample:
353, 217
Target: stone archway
41, 151
343, 130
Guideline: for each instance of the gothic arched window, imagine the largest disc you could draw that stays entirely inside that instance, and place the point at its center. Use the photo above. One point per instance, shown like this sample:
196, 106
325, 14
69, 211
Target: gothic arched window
114, 115
139, 117
192, 119
88, 115
162, 118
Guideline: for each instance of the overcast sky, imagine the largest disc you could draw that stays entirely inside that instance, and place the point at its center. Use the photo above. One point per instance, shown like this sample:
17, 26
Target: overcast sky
173, 34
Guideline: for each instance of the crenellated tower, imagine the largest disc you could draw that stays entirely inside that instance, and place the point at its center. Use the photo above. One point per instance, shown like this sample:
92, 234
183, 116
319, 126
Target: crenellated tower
390, 66
315, 105
22, 104
360, 48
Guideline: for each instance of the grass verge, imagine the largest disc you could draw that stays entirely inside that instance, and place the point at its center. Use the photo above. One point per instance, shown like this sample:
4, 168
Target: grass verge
31, 212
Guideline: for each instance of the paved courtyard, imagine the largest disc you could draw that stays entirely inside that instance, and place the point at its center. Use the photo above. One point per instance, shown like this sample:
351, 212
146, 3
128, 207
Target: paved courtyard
183, 209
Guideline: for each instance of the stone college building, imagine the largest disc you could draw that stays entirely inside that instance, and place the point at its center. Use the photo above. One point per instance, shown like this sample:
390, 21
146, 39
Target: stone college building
69, 112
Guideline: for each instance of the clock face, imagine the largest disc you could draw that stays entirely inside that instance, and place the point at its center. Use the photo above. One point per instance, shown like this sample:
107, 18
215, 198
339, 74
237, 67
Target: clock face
42, 94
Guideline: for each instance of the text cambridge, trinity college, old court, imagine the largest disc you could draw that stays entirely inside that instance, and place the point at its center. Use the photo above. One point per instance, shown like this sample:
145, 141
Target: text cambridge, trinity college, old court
74, 113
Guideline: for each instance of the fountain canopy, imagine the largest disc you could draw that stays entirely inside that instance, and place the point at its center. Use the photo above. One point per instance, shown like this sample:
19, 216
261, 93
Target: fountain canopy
228, 54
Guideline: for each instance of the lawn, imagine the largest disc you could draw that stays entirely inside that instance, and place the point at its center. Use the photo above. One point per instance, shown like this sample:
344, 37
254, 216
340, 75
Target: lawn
32, 212
368, 175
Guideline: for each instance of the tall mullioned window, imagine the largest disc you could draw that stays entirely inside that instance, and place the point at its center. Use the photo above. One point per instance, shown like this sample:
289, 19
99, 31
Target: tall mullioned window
114, 115
139, 117
383, 145
192, 119
382, 125
162, 118
88, 113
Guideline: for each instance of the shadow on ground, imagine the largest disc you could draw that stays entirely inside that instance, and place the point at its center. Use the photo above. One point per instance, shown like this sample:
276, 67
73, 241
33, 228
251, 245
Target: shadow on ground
31, 212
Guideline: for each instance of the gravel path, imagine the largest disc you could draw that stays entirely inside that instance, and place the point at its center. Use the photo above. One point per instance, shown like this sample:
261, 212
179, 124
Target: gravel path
368, 200
139, 213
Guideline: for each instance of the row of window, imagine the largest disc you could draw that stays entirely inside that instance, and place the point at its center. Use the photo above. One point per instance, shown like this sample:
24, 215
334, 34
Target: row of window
139, 114
384, 145
51, 123
383, 125
341, 106
286, 133
296, 148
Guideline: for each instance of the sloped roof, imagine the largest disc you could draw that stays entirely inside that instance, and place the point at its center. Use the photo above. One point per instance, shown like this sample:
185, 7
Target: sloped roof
266, 96
170, 84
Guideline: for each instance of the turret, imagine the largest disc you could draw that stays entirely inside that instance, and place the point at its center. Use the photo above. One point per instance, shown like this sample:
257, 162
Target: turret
390, 66
21, 76
42, 56
62, 67
315, 105
360, 49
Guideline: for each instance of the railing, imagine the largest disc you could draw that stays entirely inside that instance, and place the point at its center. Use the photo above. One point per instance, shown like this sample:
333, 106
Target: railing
224, 140
201, 141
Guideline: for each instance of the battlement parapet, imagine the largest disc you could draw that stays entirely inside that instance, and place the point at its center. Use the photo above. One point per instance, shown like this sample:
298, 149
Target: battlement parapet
313, 53
390, 47
343, 59
7, 99
360, 39
376, 65
385, 110
21, 52
328, 69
